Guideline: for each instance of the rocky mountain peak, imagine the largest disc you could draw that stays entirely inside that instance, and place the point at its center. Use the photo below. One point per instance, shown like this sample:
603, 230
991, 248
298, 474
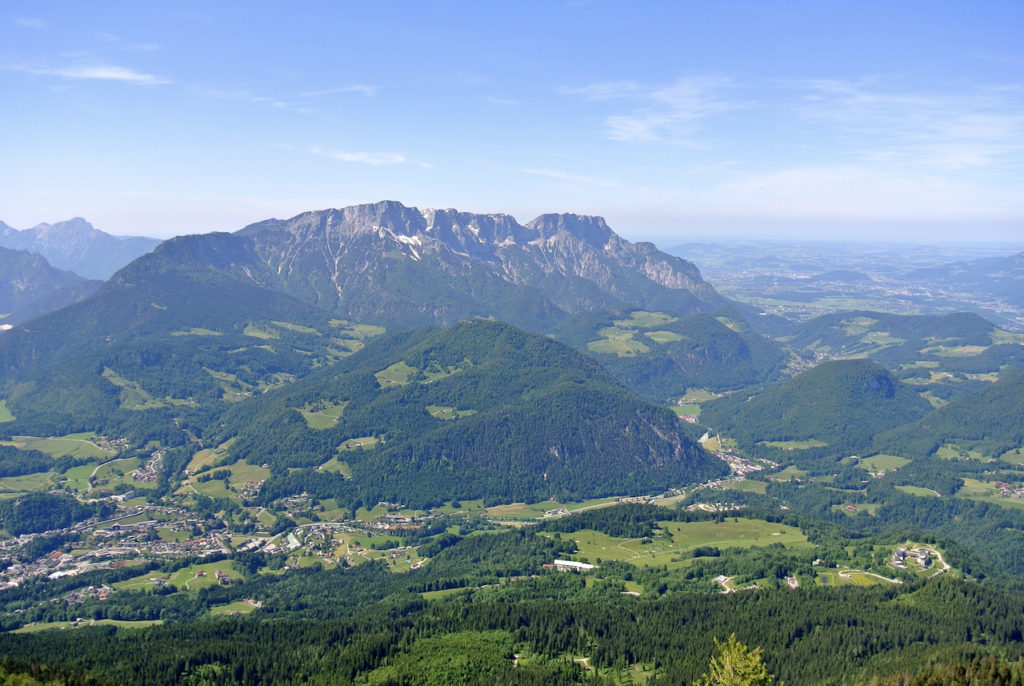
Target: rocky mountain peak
592, 230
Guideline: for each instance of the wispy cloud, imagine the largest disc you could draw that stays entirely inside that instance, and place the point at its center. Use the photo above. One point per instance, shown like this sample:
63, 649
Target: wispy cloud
375, 159
362, 88
951, 131
666, 113
30, 23
571, 178
97, 72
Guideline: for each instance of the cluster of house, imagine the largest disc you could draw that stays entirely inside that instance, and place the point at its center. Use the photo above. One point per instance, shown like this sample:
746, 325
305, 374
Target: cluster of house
1009, 490
150, 469
738, 465
902, 557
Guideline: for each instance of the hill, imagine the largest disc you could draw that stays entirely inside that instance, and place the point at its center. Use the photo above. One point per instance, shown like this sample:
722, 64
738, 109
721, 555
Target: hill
987, 421
841, 404
176, 329
30, 286
479, 410
660, 355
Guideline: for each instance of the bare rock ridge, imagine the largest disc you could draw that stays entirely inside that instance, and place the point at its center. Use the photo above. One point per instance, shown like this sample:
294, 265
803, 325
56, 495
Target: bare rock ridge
336, 257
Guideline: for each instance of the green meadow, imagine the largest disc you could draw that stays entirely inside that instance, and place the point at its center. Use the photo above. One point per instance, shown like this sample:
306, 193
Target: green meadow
882, 462
323, 415
677, 539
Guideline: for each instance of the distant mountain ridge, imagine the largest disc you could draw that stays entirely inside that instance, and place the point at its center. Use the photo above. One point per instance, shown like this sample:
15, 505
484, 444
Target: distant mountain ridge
76, 245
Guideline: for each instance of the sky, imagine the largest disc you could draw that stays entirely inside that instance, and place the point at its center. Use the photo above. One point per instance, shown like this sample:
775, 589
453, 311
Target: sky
676, 121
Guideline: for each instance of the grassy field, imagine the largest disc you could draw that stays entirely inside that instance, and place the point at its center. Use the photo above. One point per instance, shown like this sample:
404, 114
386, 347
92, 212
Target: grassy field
953, 452
243, 472
985, 491
795, 445
208, 456
788, 474
358, 330
196, 331
836, 577
297, 328
238, 608
623, 347
882, 462
537, 510
27, 483
186, 578
678, 538
323, 415
75, 445
664, 336
337, 466
360, 443
397, 374
448, 413
689, 409
918, 490
1013, 456
746, 485
646, 320
263, 334
5, 414
120, 623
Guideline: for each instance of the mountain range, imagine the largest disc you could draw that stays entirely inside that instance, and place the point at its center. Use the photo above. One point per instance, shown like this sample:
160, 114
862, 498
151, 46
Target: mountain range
76, 245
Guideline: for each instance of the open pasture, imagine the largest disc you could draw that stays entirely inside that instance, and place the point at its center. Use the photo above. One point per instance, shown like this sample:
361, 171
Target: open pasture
882, 462
397, 374
795, 445
678, 538
848, 577
5, 414
323, 415
75, 445
919, 491
950, 451
448, 413
208, 456
646, 320
360, 443
27, 483
297, 328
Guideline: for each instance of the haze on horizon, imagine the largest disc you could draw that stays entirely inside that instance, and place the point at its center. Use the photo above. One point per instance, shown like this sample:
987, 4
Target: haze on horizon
676, 123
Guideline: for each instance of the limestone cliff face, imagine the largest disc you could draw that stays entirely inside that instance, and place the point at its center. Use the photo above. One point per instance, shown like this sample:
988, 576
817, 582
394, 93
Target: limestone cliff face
385, 260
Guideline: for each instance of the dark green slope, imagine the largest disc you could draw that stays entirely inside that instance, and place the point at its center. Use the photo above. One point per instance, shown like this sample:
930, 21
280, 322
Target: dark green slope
30, 286
990, 420
527, 418
663, 355
844, 404
184, 326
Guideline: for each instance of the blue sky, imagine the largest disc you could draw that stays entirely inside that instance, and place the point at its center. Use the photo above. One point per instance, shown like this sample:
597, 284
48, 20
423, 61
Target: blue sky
674, 120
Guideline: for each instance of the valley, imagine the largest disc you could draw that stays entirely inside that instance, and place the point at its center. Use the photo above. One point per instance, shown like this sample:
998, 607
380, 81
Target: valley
240, 437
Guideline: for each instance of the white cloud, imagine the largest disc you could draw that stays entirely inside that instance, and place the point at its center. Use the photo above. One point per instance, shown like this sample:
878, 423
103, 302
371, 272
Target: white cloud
375, 159
566, 176
363, 88
97, 73
952, 131
668, 113
31, 23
